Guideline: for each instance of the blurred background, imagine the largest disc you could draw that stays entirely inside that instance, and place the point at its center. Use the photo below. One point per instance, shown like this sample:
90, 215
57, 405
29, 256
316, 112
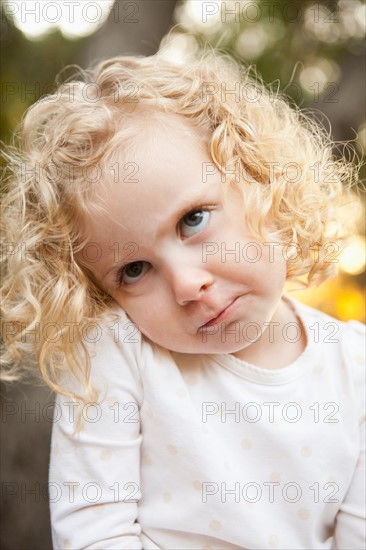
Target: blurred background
312, 51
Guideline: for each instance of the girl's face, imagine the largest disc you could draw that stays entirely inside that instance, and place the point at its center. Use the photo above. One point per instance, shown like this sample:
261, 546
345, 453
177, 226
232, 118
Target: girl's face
176, 256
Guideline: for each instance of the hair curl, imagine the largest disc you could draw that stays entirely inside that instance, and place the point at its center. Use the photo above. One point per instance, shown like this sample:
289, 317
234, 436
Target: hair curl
287, 174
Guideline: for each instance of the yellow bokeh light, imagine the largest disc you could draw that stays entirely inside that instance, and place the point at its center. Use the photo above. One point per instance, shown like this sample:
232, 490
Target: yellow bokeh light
353, 258
338, 297
350, 305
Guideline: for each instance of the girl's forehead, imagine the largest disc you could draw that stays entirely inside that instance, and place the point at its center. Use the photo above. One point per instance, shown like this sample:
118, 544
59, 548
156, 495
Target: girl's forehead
163, 146
152, 186
146, 130
165, 162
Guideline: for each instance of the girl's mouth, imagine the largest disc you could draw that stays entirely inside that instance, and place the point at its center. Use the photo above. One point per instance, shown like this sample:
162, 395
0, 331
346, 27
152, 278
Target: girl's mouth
221, 315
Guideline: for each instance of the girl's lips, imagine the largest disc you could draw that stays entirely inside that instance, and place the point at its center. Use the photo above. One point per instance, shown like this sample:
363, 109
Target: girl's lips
223, 315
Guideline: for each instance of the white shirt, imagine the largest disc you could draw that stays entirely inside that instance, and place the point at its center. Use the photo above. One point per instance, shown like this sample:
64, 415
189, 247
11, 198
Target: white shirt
207, 451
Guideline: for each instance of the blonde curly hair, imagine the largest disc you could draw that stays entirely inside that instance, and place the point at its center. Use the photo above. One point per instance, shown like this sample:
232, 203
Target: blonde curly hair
287, 172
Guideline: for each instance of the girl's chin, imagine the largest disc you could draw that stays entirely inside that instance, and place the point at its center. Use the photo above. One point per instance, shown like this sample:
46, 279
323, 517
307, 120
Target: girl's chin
219, 339
206, 347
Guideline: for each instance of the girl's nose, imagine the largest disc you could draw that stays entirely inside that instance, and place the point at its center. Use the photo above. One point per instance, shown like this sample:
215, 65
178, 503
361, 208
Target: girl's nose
190, 283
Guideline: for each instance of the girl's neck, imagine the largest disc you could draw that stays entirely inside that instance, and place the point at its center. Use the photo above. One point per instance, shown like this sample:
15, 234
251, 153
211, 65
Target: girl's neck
275, 350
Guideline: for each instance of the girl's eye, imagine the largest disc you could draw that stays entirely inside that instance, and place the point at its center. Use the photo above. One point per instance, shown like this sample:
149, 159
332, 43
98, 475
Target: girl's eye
132, 272
194, 222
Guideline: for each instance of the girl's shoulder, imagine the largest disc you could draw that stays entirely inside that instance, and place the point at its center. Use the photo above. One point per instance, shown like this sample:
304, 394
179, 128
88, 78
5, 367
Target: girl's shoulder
117, 327
115, 353
327, 329
342, 344
120, 345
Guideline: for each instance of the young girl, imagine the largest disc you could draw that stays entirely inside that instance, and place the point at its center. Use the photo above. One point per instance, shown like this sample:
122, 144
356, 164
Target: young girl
153, 217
